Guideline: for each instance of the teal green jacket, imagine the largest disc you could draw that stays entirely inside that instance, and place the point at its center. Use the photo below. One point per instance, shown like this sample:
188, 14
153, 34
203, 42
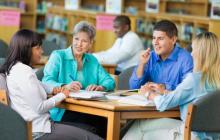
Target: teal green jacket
62, 64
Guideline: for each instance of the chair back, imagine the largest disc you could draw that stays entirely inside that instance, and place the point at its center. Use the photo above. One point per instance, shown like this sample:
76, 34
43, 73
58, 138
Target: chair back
48, 47
203, 115
115, 77
123, 78
2, 61
4, 89
3, 49
40, 73
13, 126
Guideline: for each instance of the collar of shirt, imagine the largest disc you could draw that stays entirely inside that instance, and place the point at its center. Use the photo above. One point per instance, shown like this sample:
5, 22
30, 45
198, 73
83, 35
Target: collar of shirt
173, 56
69, 55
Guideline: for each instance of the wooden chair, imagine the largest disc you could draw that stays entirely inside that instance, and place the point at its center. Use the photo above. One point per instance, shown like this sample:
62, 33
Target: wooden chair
3, 97
3, 90
12, 125
40, 73
204, 116
3, 48
115, 77
2, 61
123, 78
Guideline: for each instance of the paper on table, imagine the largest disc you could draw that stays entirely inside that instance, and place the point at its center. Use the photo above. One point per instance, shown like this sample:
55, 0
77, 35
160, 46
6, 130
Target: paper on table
83, 94
121, 92
136, 99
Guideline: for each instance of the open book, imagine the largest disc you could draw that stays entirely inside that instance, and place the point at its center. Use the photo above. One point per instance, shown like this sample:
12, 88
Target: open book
136, 99
123, 92
83, 94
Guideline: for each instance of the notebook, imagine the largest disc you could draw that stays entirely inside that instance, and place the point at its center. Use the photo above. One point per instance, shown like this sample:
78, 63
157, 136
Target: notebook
83, 94
136, 99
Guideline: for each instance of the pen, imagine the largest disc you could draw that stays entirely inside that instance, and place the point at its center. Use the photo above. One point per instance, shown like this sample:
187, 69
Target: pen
76, 82
71, 77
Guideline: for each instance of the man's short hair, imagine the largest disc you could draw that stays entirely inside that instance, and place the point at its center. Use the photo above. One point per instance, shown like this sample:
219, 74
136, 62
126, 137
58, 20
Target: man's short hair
168, 27
123, 20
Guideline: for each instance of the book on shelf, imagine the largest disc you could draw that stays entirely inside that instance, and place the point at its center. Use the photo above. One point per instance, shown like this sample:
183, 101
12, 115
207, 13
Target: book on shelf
60, 40
49, 21
152, 6
215, 9
114, 6
199, 30
72, 4
42, 7
145, 26
186, 32
59, 23
131, 10
147, 43
56, 22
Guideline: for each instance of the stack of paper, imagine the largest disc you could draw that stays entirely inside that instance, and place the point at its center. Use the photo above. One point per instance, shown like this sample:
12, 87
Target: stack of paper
136, 99
83, 94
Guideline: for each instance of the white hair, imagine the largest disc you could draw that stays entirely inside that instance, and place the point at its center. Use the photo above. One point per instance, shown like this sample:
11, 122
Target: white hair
84, 26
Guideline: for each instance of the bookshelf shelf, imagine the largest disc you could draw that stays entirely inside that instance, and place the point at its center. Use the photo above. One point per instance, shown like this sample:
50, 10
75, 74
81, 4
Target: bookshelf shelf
186, 2
41, 13
187, 7
188, 26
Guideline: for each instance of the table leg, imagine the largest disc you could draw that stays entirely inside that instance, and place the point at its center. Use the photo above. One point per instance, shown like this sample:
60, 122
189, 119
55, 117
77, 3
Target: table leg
113, 128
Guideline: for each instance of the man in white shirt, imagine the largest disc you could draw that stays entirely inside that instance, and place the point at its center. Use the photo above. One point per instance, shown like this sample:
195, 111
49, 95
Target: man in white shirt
126, 49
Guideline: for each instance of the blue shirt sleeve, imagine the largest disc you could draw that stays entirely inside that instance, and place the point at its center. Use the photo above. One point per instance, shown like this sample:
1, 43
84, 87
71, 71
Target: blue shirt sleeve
187, 66
135, 82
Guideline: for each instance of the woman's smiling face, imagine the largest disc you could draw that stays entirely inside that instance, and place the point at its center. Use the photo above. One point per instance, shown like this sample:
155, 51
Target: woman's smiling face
81, 43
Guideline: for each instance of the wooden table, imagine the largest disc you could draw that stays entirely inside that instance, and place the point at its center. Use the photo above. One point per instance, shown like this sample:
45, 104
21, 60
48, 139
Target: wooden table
115, 112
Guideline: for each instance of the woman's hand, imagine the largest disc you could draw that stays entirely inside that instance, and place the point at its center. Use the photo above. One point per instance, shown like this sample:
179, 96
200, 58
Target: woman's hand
145, 89
152, 95
66, 92
95, 88
56, 90
158, 88
73, 86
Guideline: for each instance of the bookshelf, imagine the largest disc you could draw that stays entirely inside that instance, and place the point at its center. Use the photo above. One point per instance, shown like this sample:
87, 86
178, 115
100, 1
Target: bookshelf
183, 7
188, 26
41, 10
9, 22
35, 10
28, 7
60, 23
143, 23
95, 5
186, 7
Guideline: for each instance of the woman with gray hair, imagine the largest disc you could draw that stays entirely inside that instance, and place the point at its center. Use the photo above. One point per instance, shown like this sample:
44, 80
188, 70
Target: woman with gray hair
76, 69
